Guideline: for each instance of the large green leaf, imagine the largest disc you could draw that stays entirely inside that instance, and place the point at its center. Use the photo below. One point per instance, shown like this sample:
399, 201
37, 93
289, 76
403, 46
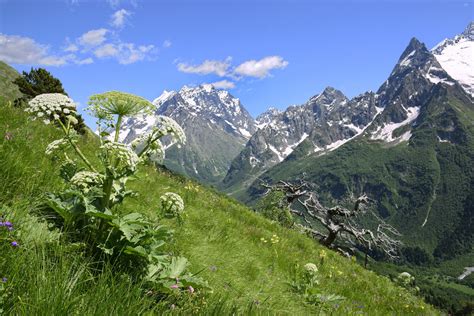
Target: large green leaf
60, 207
132, 226
92, 211
176, 268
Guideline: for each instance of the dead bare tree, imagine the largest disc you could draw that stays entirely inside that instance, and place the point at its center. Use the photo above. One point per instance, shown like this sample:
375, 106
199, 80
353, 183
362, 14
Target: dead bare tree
338, 221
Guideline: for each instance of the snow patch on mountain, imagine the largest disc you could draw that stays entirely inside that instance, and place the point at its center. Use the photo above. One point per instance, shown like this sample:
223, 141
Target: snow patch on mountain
385, 132
456, 56
276, 152
165, 96
288, 150
407, 60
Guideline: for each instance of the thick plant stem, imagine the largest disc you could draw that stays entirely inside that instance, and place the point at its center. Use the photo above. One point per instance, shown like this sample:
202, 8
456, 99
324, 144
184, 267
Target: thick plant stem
109, 181
160, 134
76, 148
117, 128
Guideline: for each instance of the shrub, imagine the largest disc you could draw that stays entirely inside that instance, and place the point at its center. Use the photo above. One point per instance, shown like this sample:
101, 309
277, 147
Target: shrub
271, 207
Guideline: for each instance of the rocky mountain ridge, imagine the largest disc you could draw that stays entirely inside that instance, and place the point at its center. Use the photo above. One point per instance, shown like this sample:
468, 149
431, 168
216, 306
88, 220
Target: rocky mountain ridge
215, 123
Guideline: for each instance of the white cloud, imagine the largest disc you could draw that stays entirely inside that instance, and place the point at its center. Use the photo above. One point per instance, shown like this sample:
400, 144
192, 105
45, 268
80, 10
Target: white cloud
207, 67
85, 61
24, 50
129, 54
71, 48
260, 68
223, 84
125, 53
93, 37
115, 3
119, 18
250, 68
107, 50
167, 44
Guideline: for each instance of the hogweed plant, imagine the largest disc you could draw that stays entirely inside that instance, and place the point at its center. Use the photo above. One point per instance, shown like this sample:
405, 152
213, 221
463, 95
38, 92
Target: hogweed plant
88, 209
306, 281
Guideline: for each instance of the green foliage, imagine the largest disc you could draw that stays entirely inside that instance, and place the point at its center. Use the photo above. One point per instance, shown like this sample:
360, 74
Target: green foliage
416, 255
271, 207
306, 283
38, 81
407, 281
8, 90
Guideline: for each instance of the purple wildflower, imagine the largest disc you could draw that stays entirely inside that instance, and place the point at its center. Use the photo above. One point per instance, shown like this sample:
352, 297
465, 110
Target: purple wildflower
14, 244
10, 228
190, 289
8, 224
4, 280
174, 286
2, 224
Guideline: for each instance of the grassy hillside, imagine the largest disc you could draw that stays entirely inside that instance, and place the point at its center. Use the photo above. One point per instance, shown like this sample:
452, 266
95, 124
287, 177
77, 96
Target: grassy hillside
221, 238
8, 90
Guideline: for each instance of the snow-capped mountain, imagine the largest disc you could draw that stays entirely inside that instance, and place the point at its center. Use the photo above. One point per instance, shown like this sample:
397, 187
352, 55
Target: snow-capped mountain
325, 122
329, 120
216, 125
456, 56
408, 87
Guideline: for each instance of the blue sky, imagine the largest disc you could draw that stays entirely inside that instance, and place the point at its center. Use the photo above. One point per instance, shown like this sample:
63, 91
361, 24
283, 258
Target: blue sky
268, 53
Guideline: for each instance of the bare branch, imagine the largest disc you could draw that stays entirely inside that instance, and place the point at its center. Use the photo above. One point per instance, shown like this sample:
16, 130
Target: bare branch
302, 200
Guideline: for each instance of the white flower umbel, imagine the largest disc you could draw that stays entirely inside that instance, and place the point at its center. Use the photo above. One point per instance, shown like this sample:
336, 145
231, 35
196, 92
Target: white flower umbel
311, 268
58, 144
149, 147
51, 106
172, 204
168, 126
86, 180
126, 158
405, 279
